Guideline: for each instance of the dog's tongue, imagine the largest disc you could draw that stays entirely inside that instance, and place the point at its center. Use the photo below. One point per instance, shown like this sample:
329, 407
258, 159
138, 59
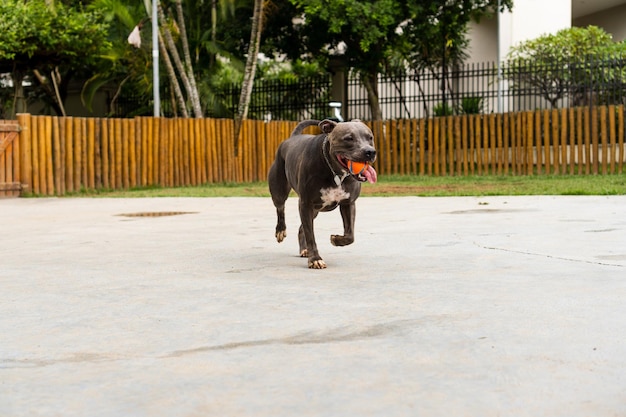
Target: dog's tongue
370, 174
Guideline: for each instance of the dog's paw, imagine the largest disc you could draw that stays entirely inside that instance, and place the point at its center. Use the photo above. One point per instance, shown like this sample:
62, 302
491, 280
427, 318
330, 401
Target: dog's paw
338, 240
304, 253
317, 264
280, 236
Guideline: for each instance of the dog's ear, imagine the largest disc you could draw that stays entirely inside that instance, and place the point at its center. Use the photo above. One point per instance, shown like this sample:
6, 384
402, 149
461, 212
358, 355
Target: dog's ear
327, 125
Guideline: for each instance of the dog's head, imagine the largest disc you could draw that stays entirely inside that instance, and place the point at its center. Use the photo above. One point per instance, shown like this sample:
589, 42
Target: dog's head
351, 141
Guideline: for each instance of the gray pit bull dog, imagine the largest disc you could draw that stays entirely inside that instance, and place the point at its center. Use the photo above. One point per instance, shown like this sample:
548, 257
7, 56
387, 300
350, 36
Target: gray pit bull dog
317, 167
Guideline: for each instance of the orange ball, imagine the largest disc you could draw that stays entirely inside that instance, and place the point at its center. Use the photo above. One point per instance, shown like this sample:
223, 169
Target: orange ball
356, 167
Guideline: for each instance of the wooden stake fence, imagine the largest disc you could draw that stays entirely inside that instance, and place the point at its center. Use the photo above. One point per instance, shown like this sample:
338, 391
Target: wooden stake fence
56, 156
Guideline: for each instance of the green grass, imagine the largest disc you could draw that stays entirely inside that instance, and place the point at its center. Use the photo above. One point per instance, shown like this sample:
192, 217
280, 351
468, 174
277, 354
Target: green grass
396, 185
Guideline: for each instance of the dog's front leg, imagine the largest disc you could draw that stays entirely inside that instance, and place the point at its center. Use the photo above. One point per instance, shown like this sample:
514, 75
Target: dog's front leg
348, 214
307, 215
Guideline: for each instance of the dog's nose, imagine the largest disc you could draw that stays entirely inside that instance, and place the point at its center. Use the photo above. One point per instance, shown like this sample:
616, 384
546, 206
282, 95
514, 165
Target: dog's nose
370, 154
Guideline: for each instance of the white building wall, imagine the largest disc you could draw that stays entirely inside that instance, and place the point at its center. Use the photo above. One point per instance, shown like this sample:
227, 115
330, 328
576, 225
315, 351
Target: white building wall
612, 20
528, 20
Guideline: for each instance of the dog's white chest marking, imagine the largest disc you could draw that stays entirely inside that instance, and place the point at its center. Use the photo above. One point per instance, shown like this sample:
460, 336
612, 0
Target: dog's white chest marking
333, 195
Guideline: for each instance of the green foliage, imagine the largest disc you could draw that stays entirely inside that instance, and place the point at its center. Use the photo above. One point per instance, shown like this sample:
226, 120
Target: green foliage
566, 45
471, 105
443, 109
35, 35
566, 65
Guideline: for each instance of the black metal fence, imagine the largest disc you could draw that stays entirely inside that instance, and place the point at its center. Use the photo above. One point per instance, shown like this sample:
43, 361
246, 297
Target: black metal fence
478, 88
283, 100
487, 88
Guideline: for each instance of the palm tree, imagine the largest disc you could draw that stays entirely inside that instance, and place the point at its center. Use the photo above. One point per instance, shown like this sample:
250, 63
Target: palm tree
250, 69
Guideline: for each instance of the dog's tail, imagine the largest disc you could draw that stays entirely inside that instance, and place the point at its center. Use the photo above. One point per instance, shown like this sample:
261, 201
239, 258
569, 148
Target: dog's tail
303, 125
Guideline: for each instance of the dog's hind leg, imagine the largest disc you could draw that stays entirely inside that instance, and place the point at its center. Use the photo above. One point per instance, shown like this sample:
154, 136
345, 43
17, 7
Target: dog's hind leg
304, 252
279, 189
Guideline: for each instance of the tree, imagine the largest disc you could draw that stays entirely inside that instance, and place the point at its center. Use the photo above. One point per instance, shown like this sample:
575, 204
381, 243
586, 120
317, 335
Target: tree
49, 42
567, 64
381, 36
250, 70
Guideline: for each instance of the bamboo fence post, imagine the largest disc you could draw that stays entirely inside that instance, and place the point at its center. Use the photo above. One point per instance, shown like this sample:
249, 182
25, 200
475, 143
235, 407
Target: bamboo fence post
546, 141
386, 136
520, 138
538, 141
594, 140
163, 147
112, 153
17, 159
513, 140
26, 147
106, 138
444, 145
462, 144
45, 155
493, 144
458, 143
200, 150
471, 123
155, 122
400, 138
579, 140
500, 155
554, 116
530, 139
119, 148
228, 150
478, 140
146, 153
572, 140
379, 132
422, 149
98, 153
262, 159
603, 141
84, 153
212, 148
37, 149
450, 163
91, 153
176, 152
413, 146
436, 166
507, 147
183, 152
563, 126
486, 145
245, 156
191, 146
132, 153
220, 167
620, 139
125, 137
78, 154
409, 139
612, 148
168, 133
587, 141
57, 155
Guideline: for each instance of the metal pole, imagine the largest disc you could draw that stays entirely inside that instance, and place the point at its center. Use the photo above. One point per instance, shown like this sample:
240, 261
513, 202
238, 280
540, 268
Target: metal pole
155, 60
499, 64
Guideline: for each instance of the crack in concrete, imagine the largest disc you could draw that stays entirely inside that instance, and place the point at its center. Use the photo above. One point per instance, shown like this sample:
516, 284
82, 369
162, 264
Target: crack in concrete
339, 334
543, 255
335, 335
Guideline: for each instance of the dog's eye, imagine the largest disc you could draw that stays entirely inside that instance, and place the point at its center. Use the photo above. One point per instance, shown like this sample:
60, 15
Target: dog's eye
348, 138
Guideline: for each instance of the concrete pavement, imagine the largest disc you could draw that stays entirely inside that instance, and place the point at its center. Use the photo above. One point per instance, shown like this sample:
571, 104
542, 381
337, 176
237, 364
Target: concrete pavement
490, 306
